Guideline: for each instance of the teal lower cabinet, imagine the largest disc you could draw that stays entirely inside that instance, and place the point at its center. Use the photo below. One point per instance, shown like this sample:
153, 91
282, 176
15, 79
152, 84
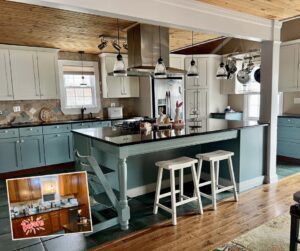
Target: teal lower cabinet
288, 144
102, 124
32, 151
10, 155
58, 148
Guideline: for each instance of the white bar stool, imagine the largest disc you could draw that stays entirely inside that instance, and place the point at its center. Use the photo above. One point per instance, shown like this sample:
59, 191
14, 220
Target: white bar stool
214, 158
172, 166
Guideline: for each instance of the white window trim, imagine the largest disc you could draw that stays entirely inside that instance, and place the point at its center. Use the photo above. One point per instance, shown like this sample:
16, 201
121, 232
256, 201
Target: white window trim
71, 111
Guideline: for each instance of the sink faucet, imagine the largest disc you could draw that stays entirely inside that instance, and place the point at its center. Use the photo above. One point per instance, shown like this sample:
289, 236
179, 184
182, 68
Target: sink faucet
82, 112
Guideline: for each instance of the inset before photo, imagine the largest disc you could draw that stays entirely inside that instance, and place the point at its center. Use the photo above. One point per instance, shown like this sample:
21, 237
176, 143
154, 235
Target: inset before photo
49, 205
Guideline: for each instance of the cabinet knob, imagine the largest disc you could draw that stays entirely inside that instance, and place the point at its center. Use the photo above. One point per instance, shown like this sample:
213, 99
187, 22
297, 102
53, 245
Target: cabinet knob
6, 131
57, 135
82, 124
22, 140
57, 127
30, 129
18, 141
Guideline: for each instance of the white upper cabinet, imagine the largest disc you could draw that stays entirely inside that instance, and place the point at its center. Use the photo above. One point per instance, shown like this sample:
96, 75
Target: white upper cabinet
6, 92
117, 87
28, 73
201, 81
289, 68
177, 61
47, 71
24, 75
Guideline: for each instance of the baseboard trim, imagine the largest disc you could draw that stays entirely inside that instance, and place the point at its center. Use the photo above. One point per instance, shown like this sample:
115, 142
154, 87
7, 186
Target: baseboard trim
242, 186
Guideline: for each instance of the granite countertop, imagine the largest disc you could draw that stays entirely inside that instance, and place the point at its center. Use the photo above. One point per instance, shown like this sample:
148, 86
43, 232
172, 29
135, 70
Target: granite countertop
286, 115
32, 124
44, 211
121, 137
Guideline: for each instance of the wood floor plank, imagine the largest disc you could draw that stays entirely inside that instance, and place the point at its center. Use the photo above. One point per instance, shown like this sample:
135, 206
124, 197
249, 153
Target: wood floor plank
214, 228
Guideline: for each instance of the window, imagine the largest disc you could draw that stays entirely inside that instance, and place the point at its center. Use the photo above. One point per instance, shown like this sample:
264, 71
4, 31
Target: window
253, 106
79, 86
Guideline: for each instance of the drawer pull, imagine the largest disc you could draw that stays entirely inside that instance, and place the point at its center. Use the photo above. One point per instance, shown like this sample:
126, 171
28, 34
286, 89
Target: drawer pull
56, 127
57, 135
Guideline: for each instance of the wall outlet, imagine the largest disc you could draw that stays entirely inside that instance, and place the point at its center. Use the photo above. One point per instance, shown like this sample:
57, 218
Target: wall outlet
296, 100
17, 108
1, 113
112, 104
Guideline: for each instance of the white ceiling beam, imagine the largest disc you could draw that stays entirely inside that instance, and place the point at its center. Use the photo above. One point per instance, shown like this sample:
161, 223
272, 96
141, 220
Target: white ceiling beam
181, 14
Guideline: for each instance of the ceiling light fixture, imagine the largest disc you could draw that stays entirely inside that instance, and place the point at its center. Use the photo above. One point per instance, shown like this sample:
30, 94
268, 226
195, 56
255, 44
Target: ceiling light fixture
160, 68
119, 67
222, 72
193, 70
103, 43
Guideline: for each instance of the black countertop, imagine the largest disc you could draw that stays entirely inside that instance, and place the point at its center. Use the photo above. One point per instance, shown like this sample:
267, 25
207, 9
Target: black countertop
296, 116
48, 210
120, 137
59, 122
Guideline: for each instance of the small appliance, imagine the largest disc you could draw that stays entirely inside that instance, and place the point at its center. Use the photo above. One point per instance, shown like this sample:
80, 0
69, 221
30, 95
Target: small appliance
115, 112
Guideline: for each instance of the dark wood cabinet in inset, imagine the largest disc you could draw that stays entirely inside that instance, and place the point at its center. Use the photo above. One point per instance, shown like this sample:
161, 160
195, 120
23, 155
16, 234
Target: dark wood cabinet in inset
68, 184
64, 217
54, 216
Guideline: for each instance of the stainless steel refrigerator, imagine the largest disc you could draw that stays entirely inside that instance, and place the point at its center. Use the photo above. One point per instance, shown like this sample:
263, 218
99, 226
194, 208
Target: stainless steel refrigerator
161, 95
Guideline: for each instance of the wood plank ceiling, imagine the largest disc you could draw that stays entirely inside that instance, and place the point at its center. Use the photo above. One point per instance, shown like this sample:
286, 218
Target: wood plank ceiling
24, 24
270, 9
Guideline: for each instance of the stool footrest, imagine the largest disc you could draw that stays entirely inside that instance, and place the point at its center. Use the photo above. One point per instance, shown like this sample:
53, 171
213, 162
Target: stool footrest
163, 195
164, 208
224, 189
190, 199
206, 183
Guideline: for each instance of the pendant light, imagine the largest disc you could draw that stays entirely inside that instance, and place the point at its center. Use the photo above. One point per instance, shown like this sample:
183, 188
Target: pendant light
82, 76
119, 67
160, 68
222, 72
193, 70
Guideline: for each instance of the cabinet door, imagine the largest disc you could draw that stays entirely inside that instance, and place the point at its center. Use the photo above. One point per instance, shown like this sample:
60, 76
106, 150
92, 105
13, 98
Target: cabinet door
130, 87
32, 151
201, 81
54, 217
288, 70
6, 92
47, 69
24, 189
10, 155
58, 148
13, 191
114, 87
74, 184
35, 187
24, 75
176, 62
64, 217
196, 103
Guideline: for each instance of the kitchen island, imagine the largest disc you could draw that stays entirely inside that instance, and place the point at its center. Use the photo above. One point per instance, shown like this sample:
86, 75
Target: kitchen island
117, 149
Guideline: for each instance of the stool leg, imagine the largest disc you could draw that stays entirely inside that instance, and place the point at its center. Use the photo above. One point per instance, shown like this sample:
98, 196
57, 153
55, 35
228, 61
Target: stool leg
173, 198
194, 174
232, 178
158, 187
181, 184
217, 167
200, 161
213, 185
294, 233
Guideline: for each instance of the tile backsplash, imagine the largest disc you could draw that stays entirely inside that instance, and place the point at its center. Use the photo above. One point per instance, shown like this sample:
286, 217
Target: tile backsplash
30, 110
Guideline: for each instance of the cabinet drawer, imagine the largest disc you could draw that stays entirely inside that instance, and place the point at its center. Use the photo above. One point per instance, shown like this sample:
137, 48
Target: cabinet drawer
102, 124
288, 122
82, 125
30, 131
289, 133
9, 133
288, 149
56, 128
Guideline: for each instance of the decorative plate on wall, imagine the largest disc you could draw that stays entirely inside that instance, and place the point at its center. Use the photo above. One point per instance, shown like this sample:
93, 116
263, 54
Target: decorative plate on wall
45, 114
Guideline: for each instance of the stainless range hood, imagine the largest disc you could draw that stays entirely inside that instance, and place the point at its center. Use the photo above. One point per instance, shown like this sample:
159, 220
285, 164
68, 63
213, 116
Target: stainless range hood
144, 50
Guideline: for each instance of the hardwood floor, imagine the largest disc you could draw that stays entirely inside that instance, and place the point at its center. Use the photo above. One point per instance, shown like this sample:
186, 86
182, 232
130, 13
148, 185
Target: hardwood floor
214, 228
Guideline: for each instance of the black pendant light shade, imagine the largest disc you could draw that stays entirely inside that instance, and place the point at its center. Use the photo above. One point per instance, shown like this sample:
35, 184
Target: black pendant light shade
160, 70
119, 66
193, 70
